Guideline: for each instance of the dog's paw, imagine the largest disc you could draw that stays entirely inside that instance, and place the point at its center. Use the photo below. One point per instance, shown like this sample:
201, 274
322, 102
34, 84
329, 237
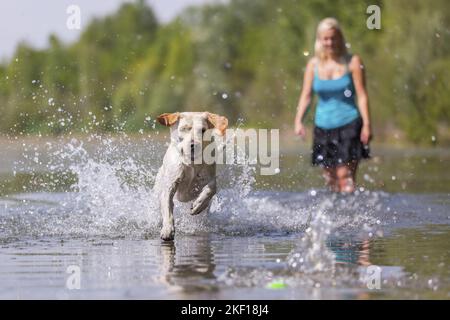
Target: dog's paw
167, 233
197, 207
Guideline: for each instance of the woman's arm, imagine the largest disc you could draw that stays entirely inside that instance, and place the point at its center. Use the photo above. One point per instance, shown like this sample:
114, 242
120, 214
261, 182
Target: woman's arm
305, 98
359, 79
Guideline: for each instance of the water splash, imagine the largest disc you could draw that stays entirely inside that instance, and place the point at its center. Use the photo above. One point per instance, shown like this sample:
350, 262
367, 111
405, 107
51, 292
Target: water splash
114, 189
112, 196
312, 254
312, 263
113, 192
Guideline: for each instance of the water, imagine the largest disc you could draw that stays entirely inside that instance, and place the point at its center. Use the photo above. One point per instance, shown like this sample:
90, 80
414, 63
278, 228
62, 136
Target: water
87, 204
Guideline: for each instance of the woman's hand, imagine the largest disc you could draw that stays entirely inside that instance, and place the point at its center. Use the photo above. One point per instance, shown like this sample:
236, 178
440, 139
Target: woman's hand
300, 129
365, 134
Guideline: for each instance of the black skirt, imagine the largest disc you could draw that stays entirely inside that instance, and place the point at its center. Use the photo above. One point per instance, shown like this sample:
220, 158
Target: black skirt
338, 146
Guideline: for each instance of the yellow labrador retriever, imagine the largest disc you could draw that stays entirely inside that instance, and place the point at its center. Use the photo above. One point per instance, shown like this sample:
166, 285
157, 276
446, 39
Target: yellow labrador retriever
183, 174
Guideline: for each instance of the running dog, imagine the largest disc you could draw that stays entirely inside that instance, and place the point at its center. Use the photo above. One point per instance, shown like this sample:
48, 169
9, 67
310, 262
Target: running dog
183, 174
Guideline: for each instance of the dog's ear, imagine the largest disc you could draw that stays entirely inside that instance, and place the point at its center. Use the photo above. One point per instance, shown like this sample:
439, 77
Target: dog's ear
218, 122
168, 119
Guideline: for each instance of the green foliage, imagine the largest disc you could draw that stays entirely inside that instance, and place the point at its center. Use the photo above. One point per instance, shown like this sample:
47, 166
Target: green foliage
244, 59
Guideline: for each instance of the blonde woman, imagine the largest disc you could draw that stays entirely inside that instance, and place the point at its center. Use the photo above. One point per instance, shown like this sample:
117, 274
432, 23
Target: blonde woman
342, 122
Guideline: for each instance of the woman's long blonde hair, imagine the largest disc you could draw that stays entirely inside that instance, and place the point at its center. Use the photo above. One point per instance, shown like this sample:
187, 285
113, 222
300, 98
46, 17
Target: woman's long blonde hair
327, 24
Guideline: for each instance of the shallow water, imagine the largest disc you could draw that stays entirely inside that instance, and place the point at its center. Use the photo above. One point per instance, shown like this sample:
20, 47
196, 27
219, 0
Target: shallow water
87, 205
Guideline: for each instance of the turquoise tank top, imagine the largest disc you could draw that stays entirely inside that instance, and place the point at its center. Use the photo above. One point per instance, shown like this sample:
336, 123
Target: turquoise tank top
336, 106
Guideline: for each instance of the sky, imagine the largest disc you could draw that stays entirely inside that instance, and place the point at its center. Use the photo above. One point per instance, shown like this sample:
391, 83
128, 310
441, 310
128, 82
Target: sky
32, 21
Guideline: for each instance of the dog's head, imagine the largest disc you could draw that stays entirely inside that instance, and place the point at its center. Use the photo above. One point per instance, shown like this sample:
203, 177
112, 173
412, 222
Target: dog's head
188, 130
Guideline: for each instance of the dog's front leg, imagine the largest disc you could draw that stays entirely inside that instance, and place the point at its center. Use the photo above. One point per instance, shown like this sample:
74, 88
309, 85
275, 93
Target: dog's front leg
166, 203
204, 197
